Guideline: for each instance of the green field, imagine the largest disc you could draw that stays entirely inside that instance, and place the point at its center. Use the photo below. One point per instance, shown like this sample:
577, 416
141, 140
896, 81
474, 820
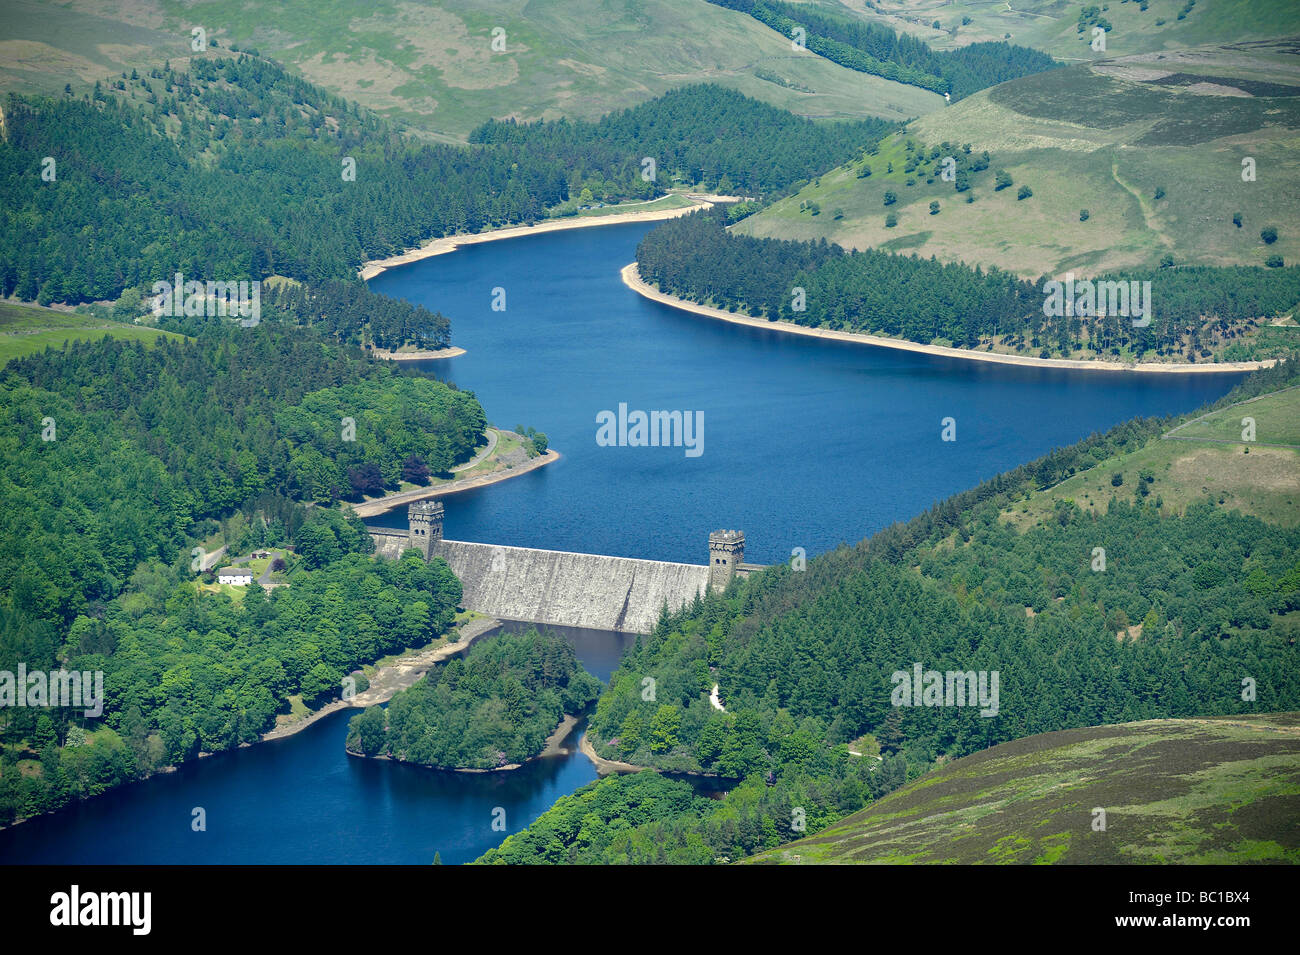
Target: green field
26, 329
1252, 478
1104, 138
432, 65
1276, 419
1189, 791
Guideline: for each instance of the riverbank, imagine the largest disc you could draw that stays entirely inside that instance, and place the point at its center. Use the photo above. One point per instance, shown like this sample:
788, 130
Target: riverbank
418, 355
388, 502
632, 279
401, 674
605, 767
453, 242
552, 747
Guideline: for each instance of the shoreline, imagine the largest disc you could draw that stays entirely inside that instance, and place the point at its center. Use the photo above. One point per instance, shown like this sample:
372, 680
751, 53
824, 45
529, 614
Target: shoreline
551, 747
402, 673
632, 279
382, 505
605, 767
451, 243
451, 351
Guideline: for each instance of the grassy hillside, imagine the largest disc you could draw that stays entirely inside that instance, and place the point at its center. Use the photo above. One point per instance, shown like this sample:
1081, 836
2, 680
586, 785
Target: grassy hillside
1219, 790
1201, 460
1108, 138
432, 65
1052, 25
25, 329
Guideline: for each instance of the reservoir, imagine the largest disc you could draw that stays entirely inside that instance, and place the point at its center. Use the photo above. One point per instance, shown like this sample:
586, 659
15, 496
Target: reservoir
805, 444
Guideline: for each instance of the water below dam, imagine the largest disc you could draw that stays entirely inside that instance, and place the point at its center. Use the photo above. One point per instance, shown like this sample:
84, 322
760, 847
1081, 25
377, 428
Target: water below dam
805, 444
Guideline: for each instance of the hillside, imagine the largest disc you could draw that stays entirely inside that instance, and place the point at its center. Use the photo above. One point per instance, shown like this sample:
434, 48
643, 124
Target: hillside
25, 329
1195, 587
1151, 146
240, 139
1191, 791
1202, 460
433, 66
1137, 26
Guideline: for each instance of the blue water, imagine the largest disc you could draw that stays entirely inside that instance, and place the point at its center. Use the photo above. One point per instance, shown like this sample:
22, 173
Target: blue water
303, 800
806, 444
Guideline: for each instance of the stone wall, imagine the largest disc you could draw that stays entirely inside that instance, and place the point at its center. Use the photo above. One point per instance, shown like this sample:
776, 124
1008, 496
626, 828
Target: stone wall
389, 543
577, 590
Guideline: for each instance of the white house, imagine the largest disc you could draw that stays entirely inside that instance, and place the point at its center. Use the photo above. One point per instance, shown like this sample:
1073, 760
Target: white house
239, 576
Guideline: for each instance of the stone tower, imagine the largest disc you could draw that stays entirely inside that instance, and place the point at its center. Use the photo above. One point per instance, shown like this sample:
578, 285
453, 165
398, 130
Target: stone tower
726, 552
425, 519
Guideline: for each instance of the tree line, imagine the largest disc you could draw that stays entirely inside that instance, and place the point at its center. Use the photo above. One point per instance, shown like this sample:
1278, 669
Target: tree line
149, 441
699, 134
876, 49
494, 707
923, 300
234, 169
187, 672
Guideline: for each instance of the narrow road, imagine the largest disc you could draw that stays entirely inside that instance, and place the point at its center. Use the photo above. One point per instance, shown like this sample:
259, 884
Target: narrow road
492, 434
265, 579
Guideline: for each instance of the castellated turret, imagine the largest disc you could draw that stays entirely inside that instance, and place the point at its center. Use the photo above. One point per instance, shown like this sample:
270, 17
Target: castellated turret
726, 552
425, 519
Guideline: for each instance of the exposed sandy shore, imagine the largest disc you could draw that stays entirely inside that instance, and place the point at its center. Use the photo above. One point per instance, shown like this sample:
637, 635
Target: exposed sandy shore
605, 766
398, 675
426, 355
452, 242
389, 501
632, 279
554, 746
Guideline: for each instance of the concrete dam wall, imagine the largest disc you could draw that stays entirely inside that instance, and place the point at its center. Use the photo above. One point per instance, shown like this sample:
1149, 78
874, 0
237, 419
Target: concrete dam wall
564, 588
551, 586
576, 590
389, 544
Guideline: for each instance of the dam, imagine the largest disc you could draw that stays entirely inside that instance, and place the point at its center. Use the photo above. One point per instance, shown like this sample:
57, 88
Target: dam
562, 587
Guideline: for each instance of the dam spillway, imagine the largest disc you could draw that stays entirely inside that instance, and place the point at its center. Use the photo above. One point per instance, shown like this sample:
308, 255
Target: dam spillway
562, 587
579, 590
